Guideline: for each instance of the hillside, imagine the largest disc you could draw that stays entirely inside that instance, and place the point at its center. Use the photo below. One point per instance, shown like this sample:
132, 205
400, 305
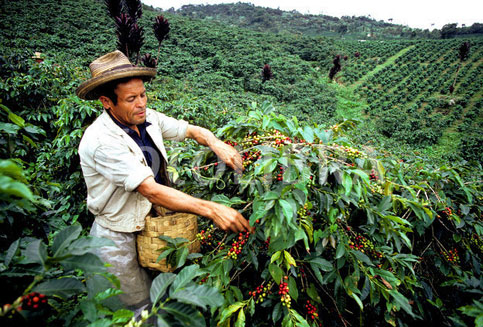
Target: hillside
205, 63
275, 21
423, 95
271, 20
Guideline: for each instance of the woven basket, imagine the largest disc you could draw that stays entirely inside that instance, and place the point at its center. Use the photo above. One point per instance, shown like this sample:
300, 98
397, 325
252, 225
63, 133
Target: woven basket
172, 224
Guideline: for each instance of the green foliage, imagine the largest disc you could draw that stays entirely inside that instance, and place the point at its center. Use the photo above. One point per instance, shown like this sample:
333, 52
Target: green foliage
187, 296
475, 310
59, 272
14, 191
176, 251
371, 239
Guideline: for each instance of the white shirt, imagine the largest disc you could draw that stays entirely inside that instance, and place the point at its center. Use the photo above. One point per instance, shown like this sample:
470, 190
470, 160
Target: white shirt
113, 166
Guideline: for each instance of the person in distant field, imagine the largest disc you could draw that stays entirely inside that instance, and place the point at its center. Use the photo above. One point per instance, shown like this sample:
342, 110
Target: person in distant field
123, 161
38, 57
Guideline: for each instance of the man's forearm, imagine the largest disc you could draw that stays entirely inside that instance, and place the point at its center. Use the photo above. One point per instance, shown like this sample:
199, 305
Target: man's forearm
225, 152
174, 200
224, 217
201, 135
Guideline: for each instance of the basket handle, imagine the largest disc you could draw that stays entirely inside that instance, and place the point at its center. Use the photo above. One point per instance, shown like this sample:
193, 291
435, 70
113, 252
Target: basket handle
162, 211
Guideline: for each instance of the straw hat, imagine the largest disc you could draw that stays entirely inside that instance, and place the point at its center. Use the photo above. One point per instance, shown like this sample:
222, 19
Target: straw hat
112, 66
37, 55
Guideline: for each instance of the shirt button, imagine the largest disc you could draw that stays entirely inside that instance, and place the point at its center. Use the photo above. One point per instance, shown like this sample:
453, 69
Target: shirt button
138, 227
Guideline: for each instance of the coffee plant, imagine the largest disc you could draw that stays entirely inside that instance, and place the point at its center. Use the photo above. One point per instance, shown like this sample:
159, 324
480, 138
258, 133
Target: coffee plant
335, 227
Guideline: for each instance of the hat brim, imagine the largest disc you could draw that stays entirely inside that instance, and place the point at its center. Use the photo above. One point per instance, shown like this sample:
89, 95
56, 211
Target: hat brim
87, 90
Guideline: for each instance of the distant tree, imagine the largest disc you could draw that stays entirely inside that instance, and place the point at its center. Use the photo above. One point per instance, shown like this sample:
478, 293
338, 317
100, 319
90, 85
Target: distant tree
449, 30
266, 73
336, 68
463, 53
342, 29
476, 28
464, 50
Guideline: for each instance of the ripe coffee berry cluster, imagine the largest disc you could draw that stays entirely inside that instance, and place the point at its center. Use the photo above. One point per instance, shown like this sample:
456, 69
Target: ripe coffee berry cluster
204, 279
232, 143
311, 310
251, 139
34, 301
373, 175
283, 292
302, 273
250, 157
335, 128
278, 139
448, 211
280, 174
265, 244
451, 256
205, 237
237, 245
364, 245
261, 292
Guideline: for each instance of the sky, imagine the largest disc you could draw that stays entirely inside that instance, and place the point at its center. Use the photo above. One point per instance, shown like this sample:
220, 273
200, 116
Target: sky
413, 13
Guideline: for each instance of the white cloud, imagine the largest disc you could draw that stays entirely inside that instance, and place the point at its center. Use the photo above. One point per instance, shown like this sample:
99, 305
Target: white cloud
414, 13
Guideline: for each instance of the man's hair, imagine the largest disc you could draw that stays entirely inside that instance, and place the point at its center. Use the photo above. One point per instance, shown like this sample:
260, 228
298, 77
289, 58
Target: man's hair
107, 89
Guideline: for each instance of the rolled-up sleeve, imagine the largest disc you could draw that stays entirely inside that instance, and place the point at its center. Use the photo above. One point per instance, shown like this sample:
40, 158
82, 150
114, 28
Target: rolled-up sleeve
120, 166
172, 129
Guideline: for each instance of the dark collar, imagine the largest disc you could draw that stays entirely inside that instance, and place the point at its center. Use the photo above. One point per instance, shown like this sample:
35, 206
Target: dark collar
129, 131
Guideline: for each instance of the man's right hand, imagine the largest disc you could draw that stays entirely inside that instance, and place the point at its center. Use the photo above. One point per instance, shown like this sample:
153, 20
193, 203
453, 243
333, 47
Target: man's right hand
224, 217
229, 219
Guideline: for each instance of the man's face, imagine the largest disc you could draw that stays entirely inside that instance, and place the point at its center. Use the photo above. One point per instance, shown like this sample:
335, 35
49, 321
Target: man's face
131, 103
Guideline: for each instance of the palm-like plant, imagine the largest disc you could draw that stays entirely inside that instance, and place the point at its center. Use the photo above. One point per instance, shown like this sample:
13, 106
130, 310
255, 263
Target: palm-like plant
130, 36
124, 25
148, 60
136, 40
134, 9
161, 30
114, 8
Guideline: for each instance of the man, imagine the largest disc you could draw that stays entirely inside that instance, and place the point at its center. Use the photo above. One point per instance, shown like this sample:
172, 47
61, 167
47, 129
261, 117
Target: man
123, 162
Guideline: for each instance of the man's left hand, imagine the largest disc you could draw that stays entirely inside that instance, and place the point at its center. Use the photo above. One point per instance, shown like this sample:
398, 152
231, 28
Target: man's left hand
229, 155
225, 152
